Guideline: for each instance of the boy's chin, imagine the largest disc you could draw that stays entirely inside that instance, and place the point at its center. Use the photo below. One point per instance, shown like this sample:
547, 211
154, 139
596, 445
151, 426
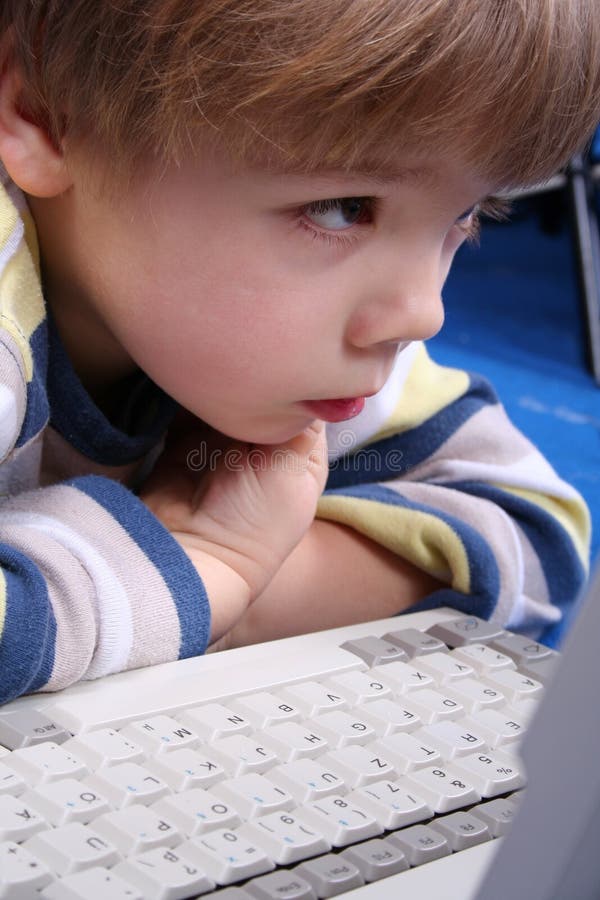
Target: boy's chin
270, 433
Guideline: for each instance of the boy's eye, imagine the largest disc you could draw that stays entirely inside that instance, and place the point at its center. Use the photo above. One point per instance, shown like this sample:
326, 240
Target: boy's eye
492, 208
467, 214
338, 214
469, 222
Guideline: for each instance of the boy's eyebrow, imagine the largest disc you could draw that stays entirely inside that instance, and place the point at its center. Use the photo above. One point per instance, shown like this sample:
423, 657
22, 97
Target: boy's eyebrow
388, 175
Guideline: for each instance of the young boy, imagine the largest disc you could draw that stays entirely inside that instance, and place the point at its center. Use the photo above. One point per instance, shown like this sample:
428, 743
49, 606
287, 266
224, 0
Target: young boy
229, 222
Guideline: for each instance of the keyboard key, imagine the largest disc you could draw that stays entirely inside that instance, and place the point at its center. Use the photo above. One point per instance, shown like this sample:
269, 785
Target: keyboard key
515, 686
404, 677
11, 782
497, 814
164, 875
444, 788
407, 751
376, 859
105, 747
263, 709
341, 820
445, 668
275, 886
466, 630
344, 728
28, 726
227, 856
393, 803
432, 706
475, 695
491, 773
522, 649
313, 698
186, 769
158, 734
45, 762
18, 820
388, 716
92, 884
127, 783
285, 838
197, 811
484, 658
420, 844
253, 795
462, 830
291, 740
359, 765
375, 651
72, 848
308, 779
330, 875
136, 829
241, 754
499, 727
66, 801
359, 687
452, 738
21, 874
415, 642
214, 721
541, 669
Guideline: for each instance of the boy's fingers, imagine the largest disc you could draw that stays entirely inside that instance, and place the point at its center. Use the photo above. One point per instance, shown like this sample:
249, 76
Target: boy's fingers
310, 443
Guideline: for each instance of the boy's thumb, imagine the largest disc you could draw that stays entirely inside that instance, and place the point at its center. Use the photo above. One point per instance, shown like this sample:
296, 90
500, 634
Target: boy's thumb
312, 442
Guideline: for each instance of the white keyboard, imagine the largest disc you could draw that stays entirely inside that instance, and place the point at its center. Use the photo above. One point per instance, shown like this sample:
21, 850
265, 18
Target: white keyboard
374, 758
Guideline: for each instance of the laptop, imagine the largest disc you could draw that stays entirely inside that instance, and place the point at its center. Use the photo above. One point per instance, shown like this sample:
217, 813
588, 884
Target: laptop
551, 852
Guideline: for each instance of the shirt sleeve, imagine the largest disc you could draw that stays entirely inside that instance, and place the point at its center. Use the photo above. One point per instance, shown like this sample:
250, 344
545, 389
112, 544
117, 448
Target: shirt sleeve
91, 583
435, 472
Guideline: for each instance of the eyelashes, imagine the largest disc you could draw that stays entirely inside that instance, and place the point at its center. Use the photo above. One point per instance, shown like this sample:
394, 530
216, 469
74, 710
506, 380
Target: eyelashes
363, 210
341, 218
495, 208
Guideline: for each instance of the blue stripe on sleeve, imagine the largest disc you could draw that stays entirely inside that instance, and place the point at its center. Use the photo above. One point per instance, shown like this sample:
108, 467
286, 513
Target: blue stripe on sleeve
27, 643
184, 583
83, 424
483, 568
398, 454
564, 572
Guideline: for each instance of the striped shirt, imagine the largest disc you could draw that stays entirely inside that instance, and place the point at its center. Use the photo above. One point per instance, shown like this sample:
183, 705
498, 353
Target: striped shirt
90, 581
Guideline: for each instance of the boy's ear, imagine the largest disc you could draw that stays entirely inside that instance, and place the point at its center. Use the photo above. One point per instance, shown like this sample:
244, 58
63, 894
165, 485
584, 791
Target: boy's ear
30, 157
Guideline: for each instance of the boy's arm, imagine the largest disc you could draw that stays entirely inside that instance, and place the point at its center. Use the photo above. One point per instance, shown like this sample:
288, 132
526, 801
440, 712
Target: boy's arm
439, 480
92, 582
335, 576
448, 483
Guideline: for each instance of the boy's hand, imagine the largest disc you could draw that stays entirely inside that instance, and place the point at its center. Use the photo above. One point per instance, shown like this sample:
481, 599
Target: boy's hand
242, 515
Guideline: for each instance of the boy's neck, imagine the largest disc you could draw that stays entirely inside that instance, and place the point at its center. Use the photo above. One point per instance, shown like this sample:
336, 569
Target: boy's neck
91, 355
95, 354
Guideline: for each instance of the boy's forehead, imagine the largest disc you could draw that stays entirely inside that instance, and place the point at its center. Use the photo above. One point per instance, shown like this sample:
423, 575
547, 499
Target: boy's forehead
404, 170
383, 173
394, 161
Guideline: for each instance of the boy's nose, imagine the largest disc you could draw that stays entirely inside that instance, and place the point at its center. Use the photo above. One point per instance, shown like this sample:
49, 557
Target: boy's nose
409, 309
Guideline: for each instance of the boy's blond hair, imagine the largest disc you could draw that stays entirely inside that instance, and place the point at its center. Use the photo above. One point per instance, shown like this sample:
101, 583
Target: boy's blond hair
511, 85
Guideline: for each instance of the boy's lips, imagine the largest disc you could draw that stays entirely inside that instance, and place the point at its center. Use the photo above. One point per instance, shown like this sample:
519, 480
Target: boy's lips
336, 410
